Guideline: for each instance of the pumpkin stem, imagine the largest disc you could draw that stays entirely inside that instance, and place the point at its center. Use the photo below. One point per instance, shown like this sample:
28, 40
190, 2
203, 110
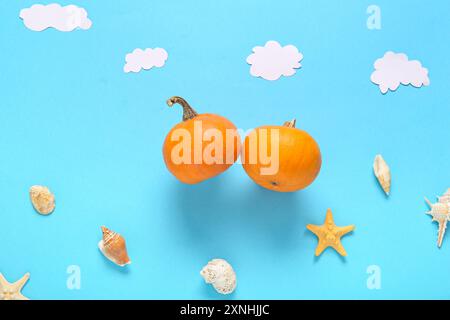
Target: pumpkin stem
290, 124
188, 111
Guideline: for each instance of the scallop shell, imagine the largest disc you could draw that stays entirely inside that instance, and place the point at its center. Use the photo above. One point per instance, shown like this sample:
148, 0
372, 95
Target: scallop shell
113, 247
383, 173
221, 275
42, 199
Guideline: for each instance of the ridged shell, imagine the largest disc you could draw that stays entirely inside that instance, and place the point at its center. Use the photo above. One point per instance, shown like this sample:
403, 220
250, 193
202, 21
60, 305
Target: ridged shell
42, 199
440, 213
441, 231
113, 247
383, 173
445, 198
439, 208
221, 275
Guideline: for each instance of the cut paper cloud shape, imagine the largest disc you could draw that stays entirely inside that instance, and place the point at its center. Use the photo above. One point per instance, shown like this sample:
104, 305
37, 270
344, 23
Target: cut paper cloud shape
395, 68
40, 17
273, 61
145, 59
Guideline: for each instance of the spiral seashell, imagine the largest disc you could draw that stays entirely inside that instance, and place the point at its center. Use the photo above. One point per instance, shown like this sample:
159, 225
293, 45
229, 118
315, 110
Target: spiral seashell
42, 199
221, 275
383, 173
440, 213
113, 247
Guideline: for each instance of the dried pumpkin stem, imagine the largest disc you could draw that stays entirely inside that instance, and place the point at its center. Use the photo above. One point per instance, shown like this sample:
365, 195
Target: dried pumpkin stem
188, 111
290, 124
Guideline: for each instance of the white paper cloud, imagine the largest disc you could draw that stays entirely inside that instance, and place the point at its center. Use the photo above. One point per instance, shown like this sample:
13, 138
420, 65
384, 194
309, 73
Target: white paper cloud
40, 17
145, 59
395, 68
273, 61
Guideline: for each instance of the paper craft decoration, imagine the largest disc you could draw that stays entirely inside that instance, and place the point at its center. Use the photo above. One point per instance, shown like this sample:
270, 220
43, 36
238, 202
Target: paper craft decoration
145, 59
395, 68
40, 17
440, 212
273, 61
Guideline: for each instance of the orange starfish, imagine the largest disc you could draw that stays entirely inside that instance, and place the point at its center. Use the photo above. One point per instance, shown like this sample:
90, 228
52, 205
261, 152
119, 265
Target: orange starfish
330, 235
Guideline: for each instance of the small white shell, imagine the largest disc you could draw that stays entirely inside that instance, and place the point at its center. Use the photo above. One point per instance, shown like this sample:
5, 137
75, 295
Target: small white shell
383, 173
42, 199
221, 275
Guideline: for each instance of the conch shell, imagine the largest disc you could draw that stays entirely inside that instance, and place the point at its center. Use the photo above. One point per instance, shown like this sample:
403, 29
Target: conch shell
42, 199
445, 198
221, 275
440, 213
113, 247
383, 173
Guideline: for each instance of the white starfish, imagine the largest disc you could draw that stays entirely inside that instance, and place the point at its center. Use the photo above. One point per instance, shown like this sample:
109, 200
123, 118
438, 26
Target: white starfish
440, 212
11, 291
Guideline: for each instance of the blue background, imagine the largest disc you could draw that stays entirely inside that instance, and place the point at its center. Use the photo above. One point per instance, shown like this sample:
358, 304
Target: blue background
71, 119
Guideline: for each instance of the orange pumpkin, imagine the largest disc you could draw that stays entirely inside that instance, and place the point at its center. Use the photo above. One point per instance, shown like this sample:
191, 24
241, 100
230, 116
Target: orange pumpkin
281, 158
201, 146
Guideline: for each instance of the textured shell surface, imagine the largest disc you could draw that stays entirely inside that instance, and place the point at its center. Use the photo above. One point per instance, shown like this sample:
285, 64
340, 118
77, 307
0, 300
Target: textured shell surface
441, 231
439, 208
221, 275
42, 199
382, 173
113, 247
445, 198
440, 213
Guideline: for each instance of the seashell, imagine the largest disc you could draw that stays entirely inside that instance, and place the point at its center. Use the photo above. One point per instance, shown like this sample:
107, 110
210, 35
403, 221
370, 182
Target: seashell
438, 208
383, 173
42, 199
113, 247
12, 291
440, 213
221, 275
445, 198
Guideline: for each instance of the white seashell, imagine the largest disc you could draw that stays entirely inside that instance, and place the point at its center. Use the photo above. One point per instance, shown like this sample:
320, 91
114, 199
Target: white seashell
445, 197
441, 231
438, 208
42, 199
440, 213
221, 275
383, 173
